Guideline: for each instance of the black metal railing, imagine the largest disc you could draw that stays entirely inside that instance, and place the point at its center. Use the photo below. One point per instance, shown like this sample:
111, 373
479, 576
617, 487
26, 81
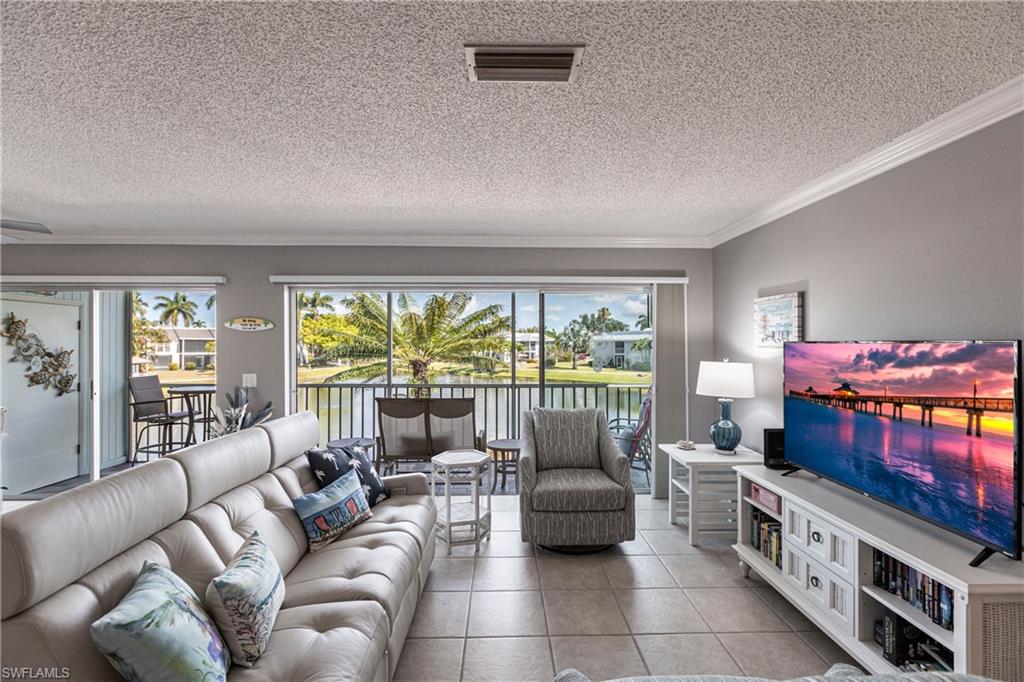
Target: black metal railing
346, 410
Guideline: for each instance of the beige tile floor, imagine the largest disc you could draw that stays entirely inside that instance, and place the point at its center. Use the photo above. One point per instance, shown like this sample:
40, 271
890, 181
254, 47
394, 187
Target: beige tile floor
654, 606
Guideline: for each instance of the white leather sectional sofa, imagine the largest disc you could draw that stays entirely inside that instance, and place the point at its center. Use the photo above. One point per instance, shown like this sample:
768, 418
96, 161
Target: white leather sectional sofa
69, 559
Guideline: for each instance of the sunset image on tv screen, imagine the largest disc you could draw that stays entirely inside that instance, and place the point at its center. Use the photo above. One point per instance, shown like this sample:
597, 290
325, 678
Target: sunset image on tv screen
928, 427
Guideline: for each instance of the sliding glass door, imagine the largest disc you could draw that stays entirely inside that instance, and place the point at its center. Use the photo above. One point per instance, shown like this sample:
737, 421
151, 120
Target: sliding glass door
510, 351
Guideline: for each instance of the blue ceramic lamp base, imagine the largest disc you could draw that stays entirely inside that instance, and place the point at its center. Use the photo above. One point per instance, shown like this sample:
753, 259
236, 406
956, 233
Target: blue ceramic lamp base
725, 433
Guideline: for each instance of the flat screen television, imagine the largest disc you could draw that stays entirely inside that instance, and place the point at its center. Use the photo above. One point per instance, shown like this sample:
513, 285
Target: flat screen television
932, 428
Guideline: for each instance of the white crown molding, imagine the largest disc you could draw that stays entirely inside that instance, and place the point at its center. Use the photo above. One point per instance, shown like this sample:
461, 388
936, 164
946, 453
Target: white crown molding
420, 240
980, 112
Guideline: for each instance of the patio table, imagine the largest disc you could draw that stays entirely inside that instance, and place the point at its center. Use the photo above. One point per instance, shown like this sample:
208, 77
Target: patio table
203, 397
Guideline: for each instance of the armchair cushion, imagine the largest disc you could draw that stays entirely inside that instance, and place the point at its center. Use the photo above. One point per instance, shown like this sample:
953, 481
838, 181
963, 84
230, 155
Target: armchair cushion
576, 490
566, 439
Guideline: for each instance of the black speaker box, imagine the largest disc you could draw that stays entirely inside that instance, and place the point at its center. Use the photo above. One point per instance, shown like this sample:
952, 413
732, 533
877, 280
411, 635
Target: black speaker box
775, 449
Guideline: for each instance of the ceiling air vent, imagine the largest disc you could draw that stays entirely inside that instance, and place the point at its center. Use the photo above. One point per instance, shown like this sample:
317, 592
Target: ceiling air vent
535, 63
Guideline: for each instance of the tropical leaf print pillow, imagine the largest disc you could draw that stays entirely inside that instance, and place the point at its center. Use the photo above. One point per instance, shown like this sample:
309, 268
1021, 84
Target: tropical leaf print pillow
330, 511
245, 598
159, 632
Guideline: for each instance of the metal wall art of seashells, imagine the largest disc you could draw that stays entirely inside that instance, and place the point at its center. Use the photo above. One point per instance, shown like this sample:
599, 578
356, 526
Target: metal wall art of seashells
46, 368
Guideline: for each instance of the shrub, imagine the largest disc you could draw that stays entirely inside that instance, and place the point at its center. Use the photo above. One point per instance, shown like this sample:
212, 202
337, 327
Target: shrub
549, 361
190, 366
210, 366
173, 366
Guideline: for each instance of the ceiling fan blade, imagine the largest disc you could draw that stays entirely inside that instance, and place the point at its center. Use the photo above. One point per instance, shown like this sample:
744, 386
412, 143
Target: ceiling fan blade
24, 226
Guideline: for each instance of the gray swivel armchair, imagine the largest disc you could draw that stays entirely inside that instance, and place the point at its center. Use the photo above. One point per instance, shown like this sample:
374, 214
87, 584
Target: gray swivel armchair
575, 488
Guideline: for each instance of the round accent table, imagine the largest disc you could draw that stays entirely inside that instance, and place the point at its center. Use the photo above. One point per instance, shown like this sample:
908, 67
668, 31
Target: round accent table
461, 522
506, 460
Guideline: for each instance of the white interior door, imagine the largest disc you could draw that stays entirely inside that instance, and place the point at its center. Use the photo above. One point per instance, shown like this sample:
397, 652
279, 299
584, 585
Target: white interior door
42, 427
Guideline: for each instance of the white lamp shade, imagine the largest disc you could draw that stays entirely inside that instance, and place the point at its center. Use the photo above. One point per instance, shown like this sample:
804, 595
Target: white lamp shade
726, 379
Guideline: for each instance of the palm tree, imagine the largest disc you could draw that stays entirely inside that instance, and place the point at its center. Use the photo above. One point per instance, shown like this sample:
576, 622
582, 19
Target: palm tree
440, 331
139, 306
311, 304
643, 323
175, 308
212, 301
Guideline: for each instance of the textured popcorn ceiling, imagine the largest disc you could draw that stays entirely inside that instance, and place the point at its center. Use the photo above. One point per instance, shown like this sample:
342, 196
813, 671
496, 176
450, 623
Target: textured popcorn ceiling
244, 121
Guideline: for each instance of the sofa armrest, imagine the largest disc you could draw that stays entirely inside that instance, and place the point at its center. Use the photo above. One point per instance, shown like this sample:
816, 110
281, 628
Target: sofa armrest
614, 463
407, 484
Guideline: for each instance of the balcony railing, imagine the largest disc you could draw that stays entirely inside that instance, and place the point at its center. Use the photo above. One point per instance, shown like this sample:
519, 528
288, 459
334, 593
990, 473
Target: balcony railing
346, 410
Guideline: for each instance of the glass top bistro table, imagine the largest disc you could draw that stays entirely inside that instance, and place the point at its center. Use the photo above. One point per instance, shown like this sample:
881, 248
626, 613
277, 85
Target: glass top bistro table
196, 396
462, 522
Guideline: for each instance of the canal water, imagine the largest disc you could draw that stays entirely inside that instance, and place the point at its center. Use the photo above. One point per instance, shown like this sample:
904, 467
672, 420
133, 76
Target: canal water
962, 482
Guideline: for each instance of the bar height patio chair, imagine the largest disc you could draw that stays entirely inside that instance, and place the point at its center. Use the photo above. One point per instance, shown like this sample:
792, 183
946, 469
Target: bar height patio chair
152, 409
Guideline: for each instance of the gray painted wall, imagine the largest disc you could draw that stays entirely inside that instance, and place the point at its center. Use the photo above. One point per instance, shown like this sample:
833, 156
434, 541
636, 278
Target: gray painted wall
249, 292
933, 249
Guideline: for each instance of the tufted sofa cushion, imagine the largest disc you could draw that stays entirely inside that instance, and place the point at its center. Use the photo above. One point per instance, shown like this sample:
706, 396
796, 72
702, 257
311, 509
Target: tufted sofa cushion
98, 521
379, 567
322, 643
261, 505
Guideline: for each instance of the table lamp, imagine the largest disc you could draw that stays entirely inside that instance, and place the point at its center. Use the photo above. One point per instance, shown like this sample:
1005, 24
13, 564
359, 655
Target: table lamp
726, 380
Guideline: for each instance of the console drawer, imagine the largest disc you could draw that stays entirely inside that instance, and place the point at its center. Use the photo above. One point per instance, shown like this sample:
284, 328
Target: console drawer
821, 540
832, 595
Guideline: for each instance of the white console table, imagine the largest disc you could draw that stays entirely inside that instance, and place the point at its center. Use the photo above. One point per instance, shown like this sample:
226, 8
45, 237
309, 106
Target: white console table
702, 488
828, 537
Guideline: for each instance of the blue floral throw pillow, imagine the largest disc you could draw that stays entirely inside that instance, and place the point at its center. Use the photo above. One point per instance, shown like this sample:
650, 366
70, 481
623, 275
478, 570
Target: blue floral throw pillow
245, 598
331, 511
159, 632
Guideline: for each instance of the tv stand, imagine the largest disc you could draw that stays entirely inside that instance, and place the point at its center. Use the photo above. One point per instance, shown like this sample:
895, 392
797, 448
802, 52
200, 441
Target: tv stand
829, 535
979, 559
790, 471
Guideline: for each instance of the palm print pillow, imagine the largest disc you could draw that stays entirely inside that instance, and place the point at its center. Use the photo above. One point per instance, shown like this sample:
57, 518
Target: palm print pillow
245, 598
328, 464
160, 632
373, 487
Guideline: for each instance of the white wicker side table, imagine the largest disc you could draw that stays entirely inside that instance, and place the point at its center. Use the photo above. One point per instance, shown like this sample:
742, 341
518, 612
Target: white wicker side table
463, 522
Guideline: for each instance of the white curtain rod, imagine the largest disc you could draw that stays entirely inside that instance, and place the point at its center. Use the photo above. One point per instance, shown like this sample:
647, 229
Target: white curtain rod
126, 281
478, 281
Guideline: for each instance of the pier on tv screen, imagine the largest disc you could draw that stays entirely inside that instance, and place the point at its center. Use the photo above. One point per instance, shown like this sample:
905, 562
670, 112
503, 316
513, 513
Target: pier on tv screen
928, 427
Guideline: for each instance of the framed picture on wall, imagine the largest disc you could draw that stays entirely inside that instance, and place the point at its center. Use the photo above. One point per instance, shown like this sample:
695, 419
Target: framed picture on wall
778, 319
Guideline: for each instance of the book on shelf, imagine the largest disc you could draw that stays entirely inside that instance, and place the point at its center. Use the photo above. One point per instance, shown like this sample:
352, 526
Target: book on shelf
923, 593
766, 536
908, 648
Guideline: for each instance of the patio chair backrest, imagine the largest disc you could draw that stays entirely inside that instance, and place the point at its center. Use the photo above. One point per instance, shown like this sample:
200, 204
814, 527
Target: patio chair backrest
419, 428
147, 396
403, 426
643, 426
452, 424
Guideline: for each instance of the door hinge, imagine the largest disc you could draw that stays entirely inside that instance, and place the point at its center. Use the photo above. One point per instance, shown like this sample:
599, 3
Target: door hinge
79, 323
78, 449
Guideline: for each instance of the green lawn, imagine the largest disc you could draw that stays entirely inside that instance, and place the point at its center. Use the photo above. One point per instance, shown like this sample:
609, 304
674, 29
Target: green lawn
528, 373
186, 376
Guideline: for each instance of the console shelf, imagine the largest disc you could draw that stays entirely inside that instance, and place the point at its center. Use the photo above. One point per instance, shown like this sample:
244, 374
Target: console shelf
754, 503
914, 616
829, 535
